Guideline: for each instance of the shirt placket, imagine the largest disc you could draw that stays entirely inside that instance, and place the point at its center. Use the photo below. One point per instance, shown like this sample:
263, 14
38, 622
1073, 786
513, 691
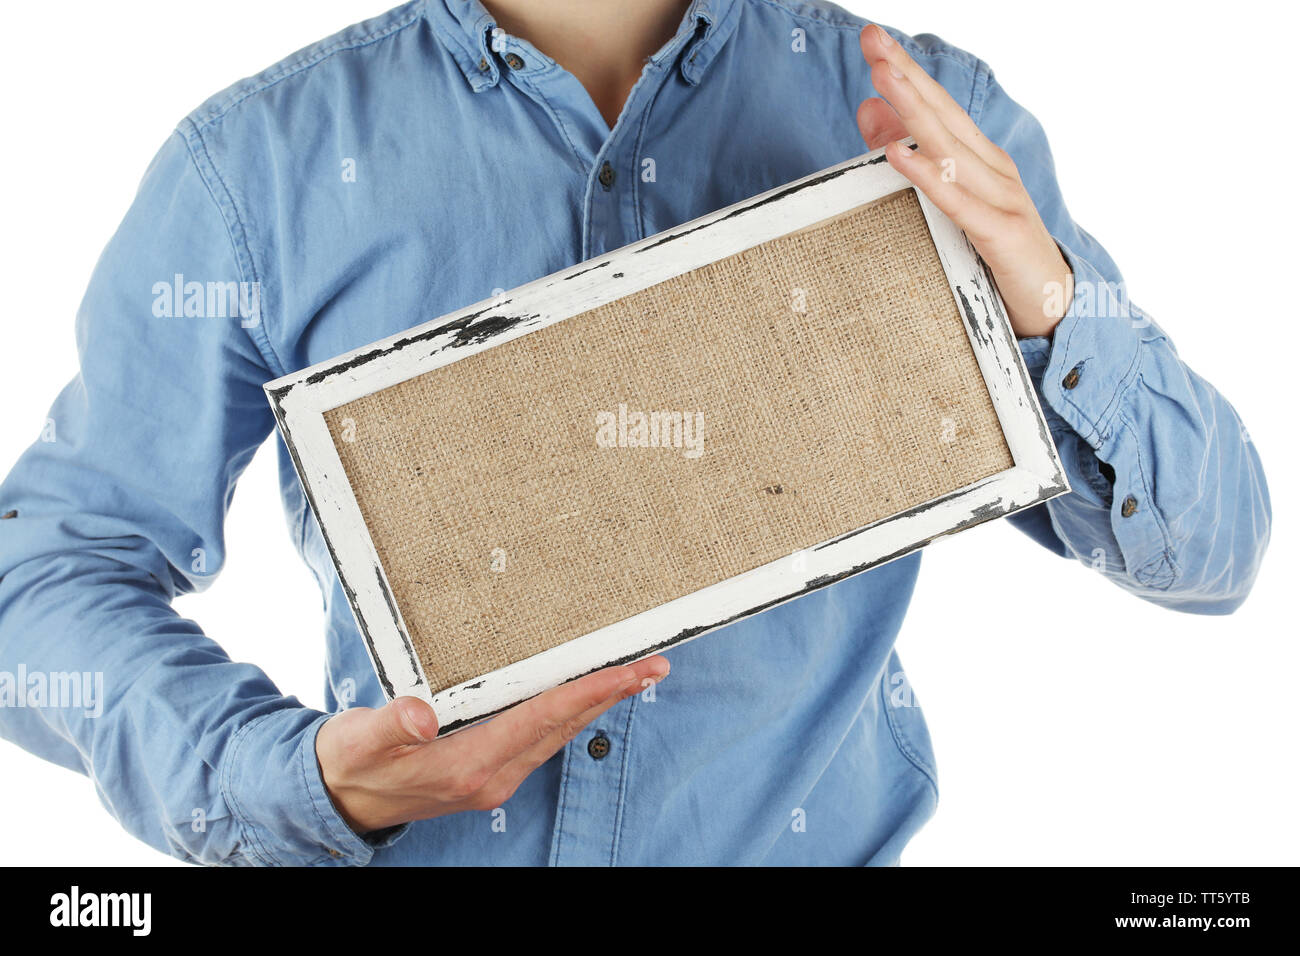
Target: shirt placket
593, 780
606, 157
593, 785
594, 765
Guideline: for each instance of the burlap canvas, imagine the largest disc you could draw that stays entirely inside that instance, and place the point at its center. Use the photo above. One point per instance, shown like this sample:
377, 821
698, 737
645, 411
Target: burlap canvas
831, 375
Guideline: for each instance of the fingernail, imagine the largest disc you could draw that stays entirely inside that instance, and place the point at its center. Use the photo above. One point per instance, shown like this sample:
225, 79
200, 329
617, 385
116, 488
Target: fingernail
904, 149
885, 38
895, 72
414, 731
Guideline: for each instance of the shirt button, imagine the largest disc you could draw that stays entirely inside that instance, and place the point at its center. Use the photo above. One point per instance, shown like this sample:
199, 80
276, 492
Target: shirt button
1071, 379
335, 853
482, 64
606, 176
8, 514
1129, 507
514, 61
598, 746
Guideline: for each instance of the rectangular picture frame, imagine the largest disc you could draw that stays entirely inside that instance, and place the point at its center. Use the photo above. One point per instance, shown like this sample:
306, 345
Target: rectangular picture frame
301, 400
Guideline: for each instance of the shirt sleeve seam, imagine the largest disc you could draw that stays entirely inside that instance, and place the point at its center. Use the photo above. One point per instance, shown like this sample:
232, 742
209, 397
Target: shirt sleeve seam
979, 91
222, 199
909, 754
286, 70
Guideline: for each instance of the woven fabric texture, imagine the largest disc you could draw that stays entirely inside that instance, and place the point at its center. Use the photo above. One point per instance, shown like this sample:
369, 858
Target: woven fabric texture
669, 440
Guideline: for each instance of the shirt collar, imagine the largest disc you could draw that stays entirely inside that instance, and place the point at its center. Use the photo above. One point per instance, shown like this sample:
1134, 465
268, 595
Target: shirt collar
465, 27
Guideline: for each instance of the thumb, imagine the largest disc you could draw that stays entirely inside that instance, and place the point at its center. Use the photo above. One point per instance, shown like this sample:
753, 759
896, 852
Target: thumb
405, 722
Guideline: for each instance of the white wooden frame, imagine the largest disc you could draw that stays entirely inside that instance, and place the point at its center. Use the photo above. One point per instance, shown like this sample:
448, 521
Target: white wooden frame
301, 400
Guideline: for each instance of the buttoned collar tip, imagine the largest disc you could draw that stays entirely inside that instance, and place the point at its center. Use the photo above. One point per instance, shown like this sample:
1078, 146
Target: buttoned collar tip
714, 21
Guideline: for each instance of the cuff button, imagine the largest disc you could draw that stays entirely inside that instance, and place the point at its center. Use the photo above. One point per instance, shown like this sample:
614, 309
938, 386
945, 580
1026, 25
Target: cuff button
1071, 379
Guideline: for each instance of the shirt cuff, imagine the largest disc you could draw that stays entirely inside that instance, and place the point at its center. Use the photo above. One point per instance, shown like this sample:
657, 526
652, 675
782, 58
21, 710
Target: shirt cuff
1087, 378
1090, 361
272, 782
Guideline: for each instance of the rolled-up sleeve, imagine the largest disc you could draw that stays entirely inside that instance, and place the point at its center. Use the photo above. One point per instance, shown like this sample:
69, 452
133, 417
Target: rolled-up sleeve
1169, 497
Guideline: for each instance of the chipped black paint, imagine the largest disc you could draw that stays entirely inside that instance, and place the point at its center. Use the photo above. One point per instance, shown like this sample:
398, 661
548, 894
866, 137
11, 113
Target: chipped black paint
468, 332
384, 681
484, 329
826, 580
972, 321
910, 512
1027, 388
988, 313
987, 512
583, 272
757, 203
993, 308
387, 592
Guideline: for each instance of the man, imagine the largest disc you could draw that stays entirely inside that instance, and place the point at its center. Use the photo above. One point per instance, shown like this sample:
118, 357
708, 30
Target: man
412, 164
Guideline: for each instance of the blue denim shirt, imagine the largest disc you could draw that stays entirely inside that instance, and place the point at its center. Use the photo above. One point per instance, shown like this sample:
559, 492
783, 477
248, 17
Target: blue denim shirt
416, 163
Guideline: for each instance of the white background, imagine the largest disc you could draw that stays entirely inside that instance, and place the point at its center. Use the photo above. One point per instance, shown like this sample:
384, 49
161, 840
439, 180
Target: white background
1073, 723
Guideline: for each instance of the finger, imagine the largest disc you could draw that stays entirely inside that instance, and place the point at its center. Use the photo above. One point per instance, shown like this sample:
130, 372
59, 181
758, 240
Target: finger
959, 162
402, 722
487, 748
878, 123
917, 115
508, 779
878, 44
980, 220
649, 671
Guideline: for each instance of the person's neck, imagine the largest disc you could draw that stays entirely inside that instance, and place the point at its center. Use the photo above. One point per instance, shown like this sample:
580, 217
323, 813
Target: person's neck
603, 44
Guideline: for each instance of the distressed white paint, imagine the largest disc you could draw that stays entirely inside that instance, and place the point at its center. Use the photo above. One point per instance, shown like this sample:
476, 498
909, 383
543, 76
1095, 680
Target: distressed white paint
300, 401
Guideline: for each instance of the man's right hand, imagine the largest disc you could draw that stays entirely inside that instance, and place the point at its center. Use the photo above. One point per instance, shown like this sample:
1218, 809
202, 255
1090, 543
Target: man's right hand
384, 767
